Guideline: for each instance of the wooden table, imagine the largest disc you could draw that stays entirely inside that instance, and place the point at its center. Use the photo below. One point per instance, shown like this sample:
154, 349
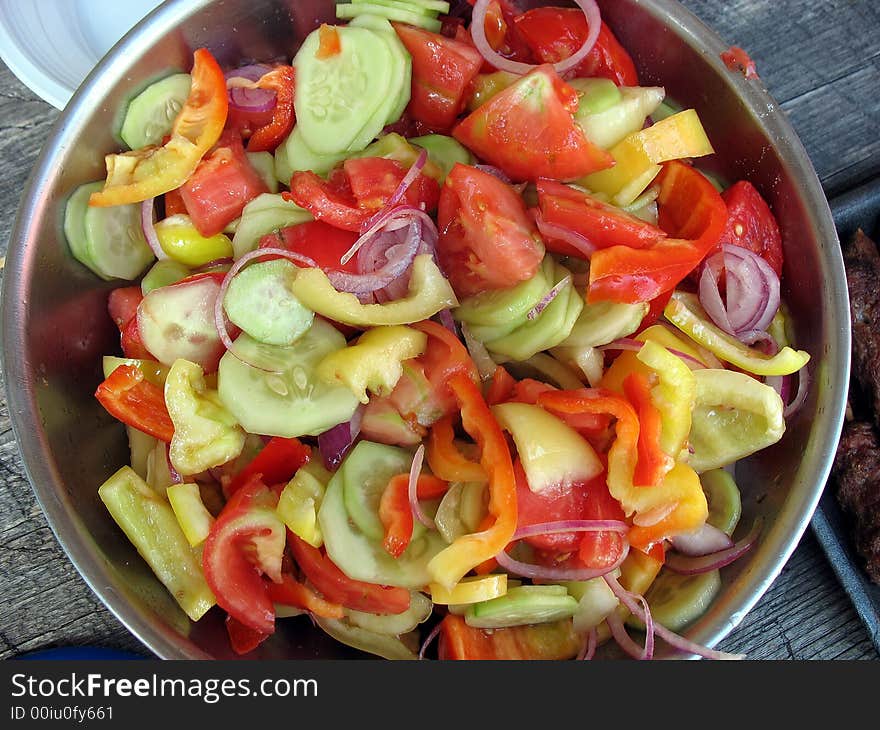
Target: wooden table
821, 60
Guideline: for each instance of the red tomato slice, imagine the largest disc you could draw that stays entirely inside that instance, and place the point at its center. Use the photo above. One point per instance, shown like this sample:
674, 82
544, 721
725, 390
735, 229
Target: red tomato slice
223, 183
442, 70
243, 638
529, 132
751, 224
122, 304
329, 200
600, 223
320, 241
374, 180
337, 587
131, 342
487, 238
554, 34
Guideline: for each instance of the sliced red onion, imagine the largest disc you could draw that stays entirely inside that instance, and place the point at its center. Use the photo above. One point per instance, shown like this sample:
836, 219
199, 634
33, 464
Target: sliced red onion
413, 487
589, 649
429, 639
541, 572
479, 354
623, 343
631, 601
408, 180
215, 264
251, 72
149, 229
495, 172
220, 321
801, 395
390, 219
560, 233
252, 100
702, 541
175, 475
552, 528
710, 294
688, 565
535, 311
478, 32
446, 319
396, 249
623, 639
335, 442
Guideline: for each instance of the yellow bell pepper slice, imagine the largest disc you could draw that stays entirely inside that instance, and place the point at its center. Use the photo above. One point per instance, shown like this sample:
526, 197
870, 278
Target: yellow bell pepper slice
471, 589
637, 158
375, 362
154, 372
429, 292
205, 433
139, 175
299, 503
180, 239
192, 515
685, 312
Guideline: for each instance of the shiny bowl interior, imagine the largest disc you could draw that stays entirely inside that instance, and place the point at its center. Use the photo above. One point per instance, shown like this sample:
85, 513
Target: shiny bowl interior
56, 328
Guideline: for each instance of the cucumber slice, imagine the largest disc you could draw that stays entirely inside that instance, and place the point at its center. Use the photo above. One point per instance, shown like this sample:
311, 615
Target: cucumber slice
74, 224
364, 559
677, 600
404, 61
595, 95
259, 301
264, 164
420, 609
337, 96
603, 322
294, 155
522, 605
115, 242
383, 645
462, 509
367, 471
292, 402
151, 114
163, 273
397, 11
722, 495
444, 151
265, 214
501, 307
607, 127
426, 7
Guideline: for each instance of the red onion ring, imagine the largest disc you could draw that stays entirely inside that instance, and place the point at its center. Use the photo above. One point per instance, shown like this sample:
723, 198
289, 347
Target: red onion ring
398, 252
633, 345
446, 319
479, 354
801, 395
149, 229
220, 314
552, 528
702, 541
623, 639
408, 179
334, 443
560, 233
250, 72
478, 33
589, 649
540, 572
689, 565
377, 223
535, 311
435, 632
244, 95
630, 600
412, 489
173, 473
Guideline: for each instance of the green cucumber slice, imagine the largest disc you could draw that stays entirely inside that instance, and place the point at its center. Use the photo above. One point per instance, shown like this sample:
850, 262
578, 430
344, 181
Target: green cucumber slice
396, 11
595, 95
151, 114
723, 497
74, 224
115, 242
426, 7
260, 302
364, 559
444, 151
264, 164
163, 273
367, 470
522, 605
294, 155
609, 126
263, 215
292, 402
677, 600
419, 611
337, 96
604, 322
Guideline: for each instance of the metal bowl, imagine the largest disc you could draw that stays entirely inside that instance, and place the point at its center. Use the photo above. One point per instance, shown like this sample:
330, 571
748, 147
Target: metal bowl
56, 327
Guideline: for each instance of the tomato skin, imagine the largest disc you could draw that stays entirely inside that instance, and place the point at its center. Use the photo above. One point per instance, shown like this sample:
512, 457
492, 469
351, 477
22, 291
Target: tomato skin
529, 132
223, 183
326, 200
321, 242
751, 224
122, 304
443, 69
374, 180
487, 238
554, 34
602, 224
277, 462
242, 638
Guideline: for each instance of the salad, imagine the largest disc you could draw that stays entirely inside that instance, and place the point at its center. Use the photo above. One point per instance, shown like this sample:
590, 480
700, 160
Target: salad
437, 335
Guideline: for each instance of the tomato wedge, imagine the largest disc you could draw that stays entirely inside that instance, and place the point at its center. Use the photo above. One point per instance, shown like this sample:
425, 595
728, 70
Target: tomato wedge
127, 396
329, 200
751, 224
529, 132
442, 70
321, 242
374, 180
139, 175
554, 34
487, 238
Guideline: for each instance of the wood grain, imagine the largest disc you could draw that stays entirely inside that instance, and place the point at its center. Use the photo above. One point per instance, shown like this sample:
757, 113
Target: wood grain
821, 61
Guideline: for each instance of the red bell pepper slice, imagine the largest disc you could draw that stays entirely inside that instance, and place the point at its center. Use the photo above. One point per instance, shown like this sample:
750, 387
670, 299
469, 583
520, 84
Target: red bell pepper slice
282, 81
278, 461
242, 637
396, 513
330, 45
329, 200
127, 396
500, 387
692, 213
653, 462
337, 587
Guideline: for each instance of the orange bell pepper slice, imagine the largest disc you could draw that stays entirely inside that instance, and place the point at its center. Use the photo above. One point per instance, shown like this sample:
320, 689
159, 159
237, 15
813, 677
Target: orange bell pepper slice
281, 80
445, 460
500, 387
276, 462
290, 592
452, 563
396, 513
653, 463
137, 402
139, 175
